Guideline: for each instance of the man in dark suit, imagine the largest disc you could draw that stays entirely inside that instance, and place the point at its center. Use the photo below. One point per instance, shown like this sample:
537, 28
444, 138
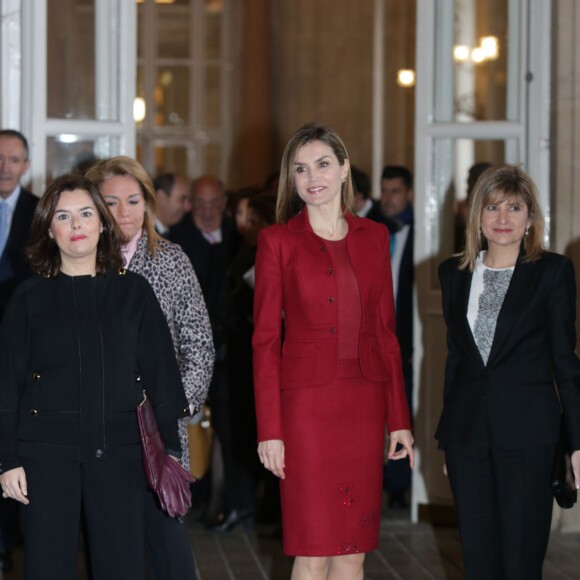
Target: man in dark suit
173, 201
397, 205
16, 210
208, 237
364, 205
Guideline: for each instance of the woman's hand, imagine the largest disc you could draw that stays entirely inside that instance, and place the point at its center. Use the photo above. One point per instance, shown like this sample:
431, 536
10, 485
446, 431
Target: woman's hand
405, 439
576, 467
271, 455
14, 485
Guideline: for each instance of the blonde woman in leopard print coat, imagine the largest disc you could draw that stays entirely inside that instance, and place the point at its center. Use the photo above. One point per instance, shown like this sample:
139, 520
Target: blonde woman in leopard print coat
129, 193
175, 284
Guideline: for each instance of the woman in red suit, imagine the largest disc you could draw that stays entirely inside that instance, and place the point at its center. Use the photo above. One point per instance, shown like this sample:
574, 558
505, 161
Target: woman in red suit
327, 364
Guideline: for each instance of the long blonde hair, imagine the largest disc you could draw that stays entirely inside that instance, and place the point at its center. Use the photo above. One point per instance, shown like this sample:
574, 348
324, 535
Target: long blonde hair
497, 184
125, 166
289, 203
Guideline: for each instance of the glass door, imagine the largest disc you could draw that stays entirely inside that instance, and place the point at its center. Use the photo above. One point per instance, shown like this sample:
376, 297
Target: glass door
73, 65
185, 52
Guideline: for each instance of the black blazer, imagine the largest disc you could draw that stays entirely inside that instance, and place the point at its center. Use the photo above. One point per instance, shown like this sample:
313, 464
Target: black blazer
405, 280
532, 359
75, 356
13, 265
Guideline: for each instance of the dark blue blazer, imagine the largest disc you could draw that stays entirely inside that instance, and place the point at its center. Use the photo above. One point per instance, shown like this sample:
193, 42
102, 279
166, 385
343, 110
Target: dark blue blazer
13, 265
405, 281
532, 366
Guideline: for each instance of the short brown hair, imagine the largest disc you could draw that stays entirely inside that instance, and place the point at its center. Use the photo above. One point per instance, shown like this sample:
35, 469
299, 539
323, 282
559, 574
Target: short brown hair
125, 166
42, 251
499, 183
289, 203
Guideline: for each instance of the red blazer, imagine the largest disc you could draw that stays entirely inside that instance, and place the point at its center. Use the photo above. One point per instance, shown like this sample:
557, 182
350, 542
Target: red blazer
294, 281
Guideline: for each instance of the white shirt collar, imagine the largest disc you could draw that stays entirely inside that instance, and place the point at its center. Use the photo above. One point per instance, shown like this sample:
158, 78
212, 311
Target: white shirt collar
160, 227
214, 237
364, 210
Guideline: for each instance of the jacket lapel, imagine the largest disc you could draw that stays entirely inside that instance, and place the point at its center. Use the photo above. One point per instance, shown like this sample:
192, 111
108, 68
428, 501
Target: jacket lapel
18, 228
517, 296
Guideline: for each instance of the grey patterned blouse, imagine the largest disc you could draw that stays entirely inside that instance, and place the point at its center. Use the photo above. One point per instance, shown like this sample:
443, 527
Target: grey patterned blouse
495, 286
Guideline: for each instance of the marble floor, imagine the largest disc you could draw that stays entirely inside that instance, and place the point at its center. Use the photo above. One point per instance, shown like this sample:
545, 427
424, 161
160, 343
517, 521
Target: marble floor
408, 552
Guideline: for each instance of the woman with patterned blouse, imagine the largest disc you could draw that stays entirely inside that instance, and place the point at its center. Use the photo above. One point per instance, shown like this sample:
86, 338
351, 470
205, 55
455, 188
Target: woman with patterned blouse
512, 377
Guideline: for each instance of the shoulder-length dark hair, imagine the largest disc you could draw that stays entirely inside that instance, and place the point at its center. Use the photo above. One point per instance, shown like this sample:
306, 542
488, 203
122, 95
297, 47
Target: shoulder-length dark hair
42, 251
497, 184
126, 166
289, 203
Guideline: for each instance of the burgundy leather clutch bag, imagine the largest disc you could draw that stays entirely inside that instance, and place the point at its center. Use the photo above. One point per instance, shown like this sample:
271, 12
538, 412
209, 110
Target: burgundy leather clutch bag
164, 475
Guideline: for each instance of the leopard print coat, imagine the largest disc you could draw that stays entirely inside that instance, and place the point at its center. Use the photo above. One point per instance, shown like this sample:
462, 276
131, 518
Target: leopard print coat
175, 284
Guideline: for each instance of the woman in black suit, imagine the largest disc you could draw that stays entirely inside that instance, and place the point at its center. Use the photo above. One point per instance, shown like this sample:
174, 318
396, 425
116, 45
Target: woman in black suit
78, 344
511, 377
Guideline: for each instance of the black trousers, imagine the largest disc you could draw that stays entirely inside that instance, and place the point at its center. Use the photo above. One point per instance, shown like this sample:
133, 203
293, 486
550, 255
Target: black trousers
9, 524
111, 493
169, 551
169, 554
397, 474
239, 481
504, 505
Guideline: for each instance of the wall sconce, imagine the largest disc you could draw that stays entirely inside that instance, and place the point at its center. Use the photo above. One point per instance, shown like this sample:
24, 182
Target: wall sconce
67, 138
477, 55
488, 49
139, 109
214, 6
406, 78
461, 52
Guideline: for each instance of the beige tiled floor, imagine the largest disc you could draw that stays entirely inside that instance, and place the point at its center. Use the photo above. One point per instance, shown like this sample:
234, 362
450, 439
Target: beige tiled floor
408, 552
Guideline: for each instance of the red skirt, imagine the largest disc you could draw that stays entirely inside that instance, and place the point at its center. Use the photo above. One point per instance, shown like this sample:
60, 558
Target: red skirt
334, 440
